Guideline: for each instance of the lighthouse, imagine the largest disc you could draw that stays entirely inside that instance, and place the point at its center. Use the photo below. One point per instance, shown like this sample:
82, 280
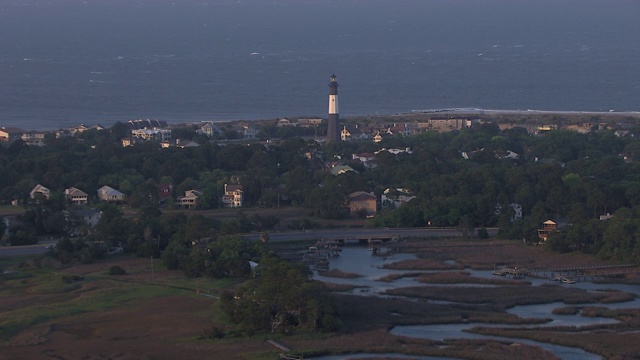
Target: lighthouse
333, 123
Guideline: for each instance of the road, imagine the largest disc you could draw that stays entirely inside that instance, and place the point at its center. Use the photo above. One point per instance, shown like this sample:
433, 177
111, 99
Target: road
334, 234
379, 233
6, 251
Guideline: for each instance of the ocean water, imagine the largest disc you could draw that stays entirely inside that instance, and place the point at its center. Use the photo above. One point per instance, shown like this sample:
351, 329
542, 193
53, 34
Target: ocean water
66, 62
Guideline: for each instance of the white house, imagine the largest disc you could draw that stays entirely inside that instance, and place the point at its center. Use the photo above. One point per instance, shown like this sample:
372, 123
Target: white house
40, 191
76, 196
190, 199
233, 196
395, 197
152, 134
109, 194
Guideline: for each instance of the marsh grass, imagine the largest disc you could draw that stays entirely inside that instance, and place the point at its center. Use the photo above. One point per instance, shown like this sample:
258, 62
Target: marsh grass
333, 287
393, 277
566, 310
423, 264
336, 273
503, 296
40, 295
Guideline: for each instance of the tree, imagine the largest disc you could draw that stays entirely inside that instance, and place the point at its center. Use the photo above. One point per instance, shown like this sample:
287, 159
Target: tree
280, 298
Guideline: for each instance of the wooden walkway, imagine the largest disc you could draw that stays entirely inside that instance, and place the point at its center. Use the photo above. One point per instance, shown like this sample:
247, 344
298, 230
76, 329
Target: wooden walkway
586, 272
572, 273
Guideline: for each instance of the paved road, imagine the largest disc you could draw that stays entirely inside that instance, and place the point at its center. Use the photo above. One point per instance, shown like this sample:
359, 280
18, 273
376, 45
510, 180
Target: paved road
340, 234
37, 249
335, 234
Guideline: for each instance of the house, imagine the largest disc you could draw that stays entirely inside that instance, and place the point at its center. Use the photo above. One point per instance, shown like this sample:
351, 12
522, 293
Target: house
33, 137
354, 132
446, 124
605, 217
341, 169
233, 196
285, 122
151, 134
63, 134
517, 211
188, 144
189, 200
90, 217
78, 129
361, 201
308, 122
249, 132
395, 197
396, 151
82, 128
364, 157
513, 209
10, 223
401, 129
165, 191
147, 124
40, 191
76, 196
511, 155
9, 134
109, 194
548, 227
210, 130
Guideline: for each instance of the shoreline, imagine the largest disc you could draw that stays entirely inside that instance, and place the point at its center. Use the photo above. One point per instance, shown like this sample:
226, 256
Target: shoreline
490, 113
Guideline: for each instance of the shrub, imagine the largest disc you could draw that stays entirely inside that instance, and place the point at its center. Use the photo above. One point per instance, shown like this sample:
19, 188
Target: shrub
117, 270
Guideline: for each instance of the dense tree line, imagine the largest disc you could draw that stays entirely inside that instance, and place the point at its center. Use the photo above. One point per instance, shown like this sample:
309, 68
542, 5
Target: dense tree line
561, 175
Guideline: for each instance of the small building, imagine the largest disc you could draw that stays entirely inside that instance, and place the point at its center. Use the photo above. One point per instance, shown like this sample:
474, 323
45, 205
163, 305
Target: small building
76, 196
548, 227
189, 200
40, 192
233, 196
109, 194
395, 197
360, 201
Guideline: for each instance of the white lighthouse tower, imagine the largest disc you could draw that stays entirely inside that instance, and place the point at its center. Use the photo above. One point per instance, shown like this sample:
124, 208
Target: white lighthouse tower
333, 121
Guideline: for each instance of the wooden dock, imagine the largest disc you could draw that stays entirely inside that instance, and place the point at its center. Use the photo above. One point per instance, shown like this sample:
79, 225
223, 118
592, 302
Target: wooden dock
586, 273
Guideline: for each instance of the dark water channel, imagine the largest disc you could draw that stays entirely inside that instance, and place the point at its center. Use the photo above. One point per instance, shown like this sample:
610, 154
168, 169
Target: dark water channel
359, 260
